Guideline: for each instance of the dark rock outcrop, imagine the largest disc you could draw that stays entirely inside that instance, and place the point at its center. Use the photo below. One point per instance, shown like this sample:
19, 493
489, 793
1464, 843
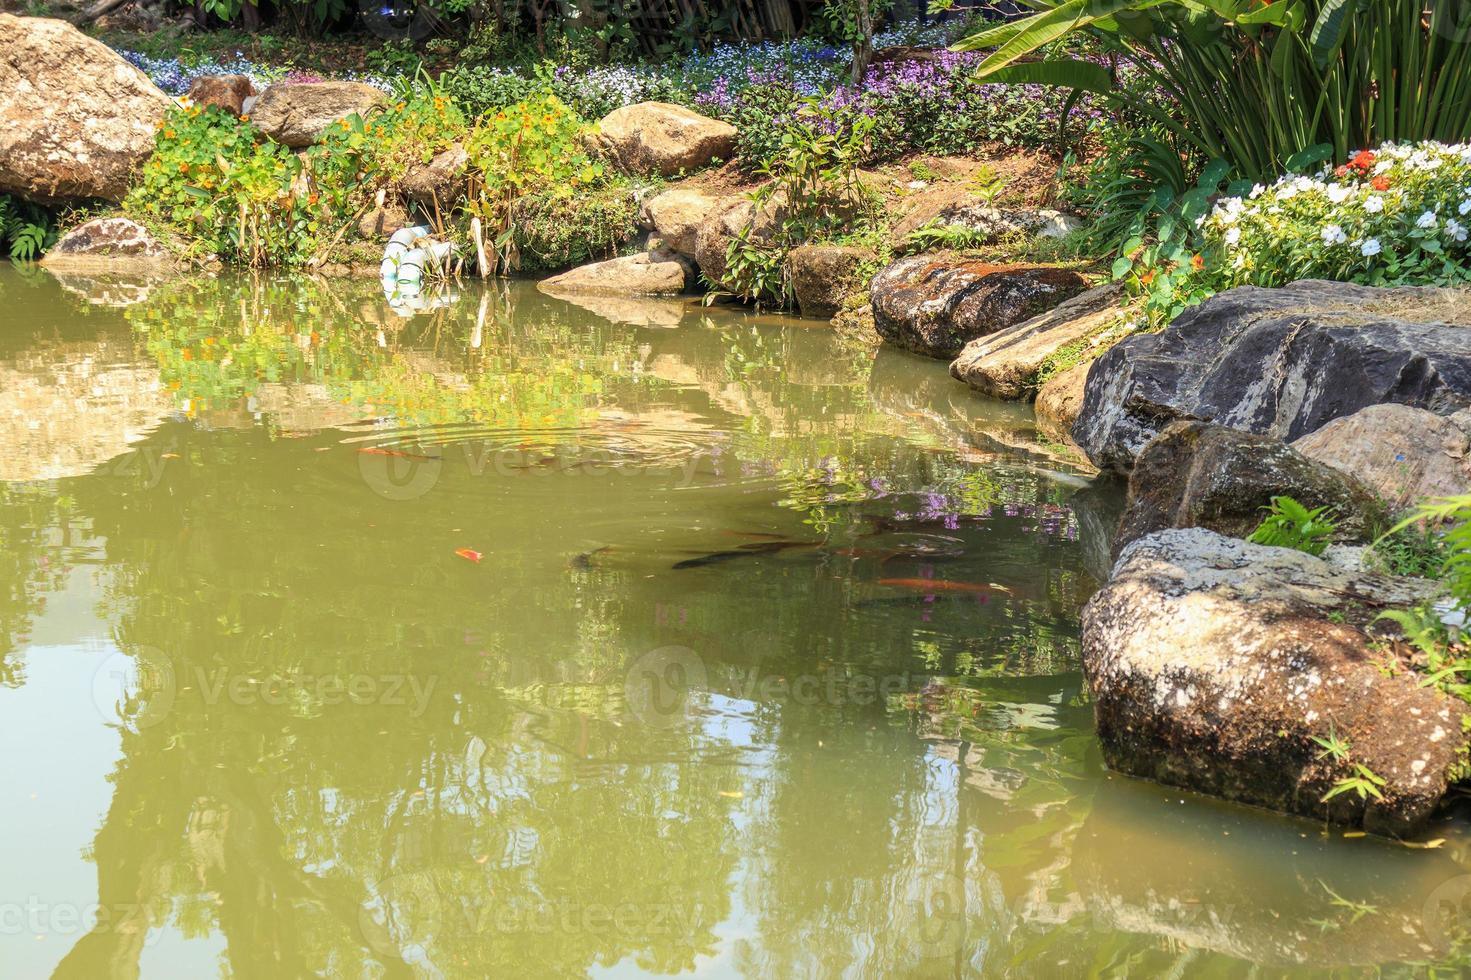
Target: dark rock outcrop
1281, 362
1197, 474
1214, 663
935, 305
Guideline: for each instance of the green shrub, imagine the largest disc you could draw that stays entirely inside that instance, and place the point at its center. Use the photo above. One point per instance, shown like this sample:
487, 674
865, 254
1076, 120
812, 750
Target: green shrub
26, 229
762, 116
1254, 83
1291, 525
1398, 215
479, 89
815, 190
554, 229
218, 180
529, 148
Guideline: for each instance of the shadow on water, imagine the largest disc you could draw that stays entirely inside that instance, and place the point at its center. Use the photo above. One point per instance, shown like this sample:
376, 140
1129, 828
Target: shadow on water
383, 645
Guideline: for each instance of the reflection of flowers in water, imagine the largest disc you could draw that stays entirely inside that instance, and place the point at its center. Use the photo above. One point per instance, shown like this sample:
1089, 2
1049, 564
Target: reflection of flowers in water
1053, 520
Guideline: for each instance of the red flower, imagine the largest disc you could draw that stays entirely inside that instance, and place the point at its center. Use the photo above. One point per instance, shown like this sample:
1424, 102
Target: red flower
1341, 171
1362, 160
1380, 183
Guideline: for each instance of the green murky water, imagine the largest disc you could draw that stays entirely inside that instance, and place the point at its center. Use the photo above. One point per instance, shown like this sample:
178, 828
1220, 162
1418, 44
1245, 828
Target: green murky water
524, 638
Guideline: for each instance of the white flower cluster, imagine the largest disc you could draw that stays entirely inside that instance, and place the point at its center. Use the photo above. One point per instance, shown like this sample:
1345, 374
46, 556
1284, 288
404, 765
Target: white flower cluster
1402, 207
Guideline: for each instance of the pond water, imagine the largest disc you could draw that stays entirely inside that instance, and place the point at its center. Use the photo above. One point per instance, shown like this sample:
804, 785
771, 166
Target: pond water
530, 638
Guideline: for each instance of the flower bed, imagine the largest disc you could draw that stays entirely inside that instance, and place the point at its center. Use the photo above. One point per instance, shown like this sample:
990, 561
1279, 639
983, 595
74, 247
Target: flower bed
1401, 214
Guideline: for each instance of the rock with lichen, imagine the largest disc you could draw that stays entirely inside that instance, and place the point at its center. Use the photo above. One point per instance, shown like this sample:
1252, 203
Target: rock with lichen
1215, 664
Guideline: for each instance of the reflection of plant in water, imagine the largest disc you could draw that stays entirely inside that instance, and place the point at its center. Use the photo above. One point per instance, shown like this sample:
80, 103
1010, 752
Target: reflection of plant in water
822, 493
219, 345
32, 516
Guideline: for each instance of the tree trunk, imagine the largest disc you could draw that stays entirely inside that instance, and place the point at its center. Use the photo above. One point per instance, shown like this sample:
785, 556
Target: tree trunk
863, 47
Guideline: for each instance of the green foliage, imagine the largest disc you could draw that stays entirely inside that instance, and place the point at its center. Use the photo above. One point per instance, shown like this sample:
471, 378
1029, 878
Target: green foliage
1291, 525
1413, 549
531, 147
26, 229
1255, 83
987, 184
1455, 514
1362, 781
249, 199
1137, 170
838, 20
554, 229
479, 89
813, 190
1399, 215
1162, 264
939, 235
762, 119
1333, 746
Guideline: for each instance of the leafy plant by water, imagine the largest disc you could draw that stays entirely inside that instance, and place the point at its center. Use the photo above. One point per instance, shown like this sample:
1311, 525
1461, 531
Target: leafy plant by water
26, 229
1254, 83
1289, 524
813, 189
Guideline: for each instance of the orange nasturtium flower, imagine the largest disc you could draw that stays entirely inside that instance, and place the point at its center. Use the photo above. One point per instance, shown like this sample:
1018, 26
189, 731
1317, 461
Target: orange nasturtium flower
1197, 262
1147, 278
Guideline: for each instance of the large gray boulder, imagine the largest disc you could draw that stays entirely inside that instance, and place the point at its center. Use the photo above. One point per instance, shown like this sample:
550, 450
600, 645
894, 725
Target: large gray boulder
297, 115
76, 120
1007, 363
1198, 474
1213, 664
1403, 454
935, 305
1281, 362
